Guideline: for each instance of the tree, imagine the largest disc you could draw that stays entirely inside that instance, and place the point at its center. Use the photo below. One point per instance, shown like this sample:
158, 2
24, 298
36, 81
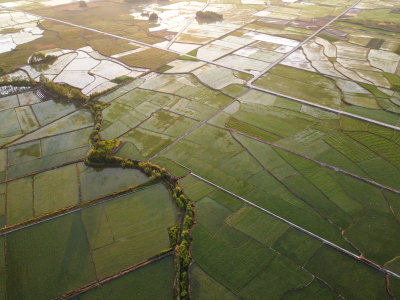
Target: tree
153, 17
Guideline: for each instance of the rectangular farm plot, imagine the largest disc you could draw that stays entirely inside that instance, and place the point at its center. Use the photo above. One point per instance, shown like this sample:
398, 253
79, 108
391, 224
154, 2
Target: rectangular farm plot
351, 278
202, 286
153, 281
137, 228
55, 189
104, 181
48, 259
9, 123
8, 102
24, 152
26, 118
19, 200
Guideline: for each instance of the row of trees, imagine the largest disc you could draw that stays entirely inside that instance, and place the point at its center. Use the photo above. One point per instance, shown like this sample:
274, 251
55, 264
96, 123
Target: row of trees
102, 152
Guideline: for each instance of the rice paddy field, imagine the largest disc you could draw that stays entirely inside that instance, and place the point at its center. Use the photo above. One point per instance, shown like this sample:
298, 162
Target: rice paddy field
280, 122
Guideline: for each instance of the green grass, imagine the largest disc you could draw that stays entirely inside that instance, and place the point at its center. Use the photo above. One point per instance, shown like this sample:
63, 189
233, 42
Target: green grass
46, 162
26, 119
19, 200
8, 102
211, 215
9, 123
231, 236
252, 130
77, 120
147, 142
139, 223
385, 132
232, 267
154, 281
374, 233
320, 203
49, 259
202, 286
171, 166
394, 200
374, 114
258, 225
312, 87
350, 148
320, 179
234, 90
382, 171
352, 124
64, 142
168, 123
296, 245
279, 276
316, 290
23, 152
121, 79
226, 200
278, 121
394, 265
352, 279
97, 227
55, 189
49, 111
103, 181
394, 286
385, 148
268, 157
194, 188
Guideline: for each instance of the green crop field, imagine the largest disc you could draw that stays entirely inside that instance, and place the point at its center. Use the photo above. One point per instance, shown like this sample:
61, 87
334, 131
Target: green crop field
49, 259
101, 182
132, 234
153, 281
200, 150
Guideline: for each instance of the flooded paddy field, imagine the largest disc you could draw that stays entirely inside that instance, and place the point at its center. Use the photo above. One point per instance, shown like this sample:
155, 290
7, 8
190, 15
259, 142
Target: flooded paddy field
148, 153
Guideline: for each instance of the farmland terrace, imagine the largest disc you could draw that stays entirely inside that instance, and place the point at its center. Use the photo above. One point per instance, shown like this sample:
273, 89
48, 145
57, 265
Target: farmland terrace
253, 157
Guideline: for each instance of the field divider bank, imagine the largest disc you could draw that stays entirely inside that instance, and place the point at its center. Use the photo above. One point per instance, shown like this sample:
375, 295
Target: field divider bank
337, 111
322, 164
191, 130
75, 208
88, 287
324, 241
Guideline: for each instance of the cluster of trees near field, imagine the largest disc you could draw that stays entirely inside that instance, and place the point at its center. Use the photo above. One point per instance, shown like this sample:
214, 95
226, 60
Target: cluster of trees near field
208, 17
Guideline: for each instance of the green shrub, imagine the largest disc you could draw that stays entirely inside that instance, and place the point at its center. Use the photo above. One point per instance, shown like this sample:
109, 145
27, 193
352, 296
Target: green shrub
208, 17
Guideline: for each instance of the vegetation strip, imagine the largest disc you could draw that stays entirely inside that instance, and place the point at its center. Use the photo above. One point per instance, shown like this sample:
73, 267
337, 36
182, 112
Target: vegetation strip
102, 154
359, 258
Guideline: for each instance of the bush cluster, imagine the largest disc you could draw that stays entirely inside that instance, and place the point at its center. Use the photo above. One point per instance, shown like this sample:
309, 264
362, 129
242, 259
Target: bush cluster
41, 58
183, 258
208, 17
153, 17
16, 81
121, 79
63, 90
